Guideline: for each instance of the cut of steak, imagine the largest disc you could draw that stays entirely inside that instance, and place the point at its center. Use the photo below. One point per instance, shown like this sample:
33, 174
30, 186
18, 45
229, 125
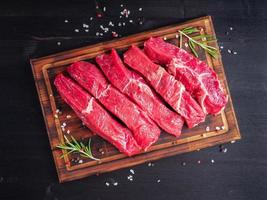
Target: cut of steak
145, 131
95, 117
198, 78
172, 91
134, 86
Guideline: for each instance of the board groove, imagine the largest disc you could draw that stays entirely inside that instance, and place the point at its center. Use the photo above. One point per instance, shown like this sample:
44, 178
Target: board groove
44, 70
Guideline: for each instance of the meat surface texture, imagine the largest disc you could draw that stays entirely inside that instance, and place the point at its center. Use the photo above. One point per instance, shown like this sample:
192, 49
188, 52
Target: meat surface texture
198, 78
145, 131
134, 86
172, 91
95, 117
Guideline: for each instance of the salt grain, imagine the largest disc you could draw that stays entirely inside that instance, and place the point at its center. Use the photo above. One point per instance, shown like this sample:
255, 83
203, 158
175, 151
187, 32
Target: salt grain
131, 21
207, 128
164, 38
221, 47
158, 181
56, 116
231, 28
121, 5
68, 131
119, 24
66, 21
224, 150
235, 53
76, 30
132, 171
80, 161
68, 116
91, 18
58, 43
222, 127
198, 161
149, 164
86, 30
57, 111
64, 124
107, 184
217, 128
140, 9
97, 33
183, 163
123, 23
229, 51
212, 161
186, 44
233, 141
115, 184
176, 36
104, 9
110, 23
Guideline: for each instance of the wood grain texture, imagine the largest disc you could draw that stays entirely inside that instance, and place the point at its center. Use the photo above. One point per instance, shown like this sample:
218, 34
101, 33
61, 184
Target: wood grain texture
45, 69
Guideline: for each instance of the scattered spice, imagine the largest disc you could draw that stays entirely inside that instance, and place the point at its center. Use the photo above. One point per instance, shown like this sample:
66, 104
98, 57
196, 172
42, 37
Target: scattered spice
115, 184
217, 128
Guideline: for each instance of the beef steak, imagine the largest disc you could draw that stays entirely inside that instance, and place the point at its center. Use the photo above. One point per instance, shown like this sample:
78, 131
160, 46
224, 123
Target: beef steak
198, 78
95, 117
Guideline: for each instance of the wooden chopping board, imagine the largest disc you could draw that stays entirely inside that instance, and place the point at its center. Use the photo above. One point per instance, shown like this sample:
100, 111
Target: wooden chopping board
44, 71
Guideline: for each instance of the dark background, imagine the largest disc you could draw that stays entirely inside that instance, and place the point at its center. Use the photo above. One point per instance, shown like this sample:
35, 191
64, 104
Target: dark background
30, 29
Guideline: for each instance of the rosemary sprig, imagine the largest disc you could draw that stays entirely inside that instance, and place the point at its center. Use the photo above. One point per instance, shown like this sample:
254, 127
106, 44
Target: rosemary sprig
199, 40
74, 146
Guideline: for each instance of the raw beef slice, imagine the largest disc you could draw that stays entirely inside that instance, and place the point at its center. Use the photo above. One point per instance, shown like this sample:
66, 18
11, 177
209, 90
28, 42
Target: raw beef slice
145, 131
134, 86
95, 117
198, 78
172, 91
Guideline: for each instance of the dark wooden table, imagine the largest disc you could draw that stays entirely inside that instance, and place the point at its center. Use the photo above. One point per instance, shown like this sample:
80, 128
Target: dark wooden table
30, 29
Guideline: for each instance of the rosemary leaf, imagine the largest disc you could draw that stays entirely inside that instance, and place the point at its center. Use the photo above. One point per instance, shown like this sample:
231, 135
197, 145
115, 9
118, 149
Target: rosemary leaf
74, 146
192, 47
198, 41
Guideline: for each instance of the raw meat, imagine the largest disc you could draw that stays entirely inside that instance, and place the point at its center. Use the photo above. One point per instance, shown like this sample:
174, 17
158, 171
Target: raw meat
134, 86
145, 131
172, 91
198, 78
95, 117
